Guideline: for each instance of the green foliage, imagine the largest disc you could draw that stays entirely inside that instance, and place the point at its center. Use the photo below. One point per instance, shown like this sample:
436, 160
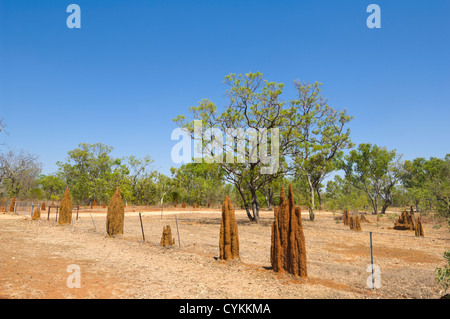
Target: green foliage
443, 274
52, 186
376, 171
254, 103
341, 195
198, 183
92, 173
321, 137
428, 182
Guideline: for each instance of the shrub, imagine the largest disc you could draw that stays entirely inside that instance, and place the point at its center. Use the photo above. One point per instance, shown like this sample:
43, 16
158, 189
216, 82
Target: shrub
443, 274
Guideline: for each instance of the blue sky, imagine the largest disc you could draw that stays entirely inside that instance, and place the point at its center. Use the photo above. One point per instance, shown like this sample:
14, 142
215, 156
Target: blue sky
135, 65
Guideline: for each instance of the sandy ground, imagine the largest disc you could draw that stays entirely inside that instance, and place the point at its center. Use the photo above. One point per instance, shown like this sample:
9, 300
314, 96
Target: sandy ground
34, 256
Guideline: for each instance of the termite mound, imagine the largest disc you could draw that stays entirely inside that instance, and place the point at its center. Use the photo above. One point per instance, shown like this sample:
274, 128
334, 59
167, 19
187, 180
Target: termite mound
229, 238
115, 215
288, 251
166, 238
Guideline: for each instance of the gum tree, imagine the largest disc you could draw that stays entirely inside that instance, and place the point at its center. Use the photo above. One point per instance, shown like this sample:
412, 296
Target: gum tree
321, 136
253, 104
376, 171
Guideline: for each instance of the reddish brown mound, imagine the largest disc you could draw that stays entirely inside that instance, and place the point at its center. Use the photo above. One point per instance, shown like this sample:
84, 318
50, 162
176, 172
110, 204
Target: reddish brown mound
419, 228
65, 211
36, 214
288, 252
346, 218
405, 222
229, 238
183, 205
43, 206
115, 215
166, 238
356, 224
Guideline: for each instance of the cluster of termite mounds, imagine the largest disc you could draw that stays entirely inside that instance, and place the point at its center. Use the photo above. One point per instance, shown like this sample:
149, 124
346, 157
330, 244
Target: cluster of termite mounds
115, 215
166, 239
406, 222
229, 237
288, 251
354, 222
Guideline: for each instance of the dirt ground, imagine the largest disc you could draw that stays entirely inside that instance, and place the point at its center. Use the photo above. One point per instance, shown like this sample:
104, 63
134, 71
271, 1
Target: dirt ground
34, 256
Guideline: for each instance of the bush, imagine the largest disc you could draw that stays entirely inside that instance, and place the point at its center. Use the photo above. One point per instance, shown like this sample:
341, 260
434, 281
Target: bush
443, 274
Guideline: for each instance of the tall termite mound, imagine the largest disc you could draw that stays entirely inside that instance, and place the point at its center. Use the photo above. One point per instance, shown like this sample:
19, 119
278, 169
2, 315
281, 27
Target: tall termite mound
405, 222
115, 215
43, 206
229, 238
13, 204
65, 211
288, 251
346, 218
183, 205
166, 238
36, 214
419, 228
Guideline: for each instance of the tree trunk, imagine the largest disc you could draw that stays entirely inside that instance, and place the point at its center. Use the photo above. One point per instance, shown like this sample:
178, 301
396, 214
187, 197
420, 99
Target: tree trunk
311, 203
374, 205
320, 198
253, 216
383, 209
255, 206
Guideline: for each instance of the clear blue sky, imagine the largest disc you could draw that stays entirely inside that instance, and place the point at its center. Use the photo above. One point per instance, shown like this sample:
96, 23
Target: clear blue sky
135, 65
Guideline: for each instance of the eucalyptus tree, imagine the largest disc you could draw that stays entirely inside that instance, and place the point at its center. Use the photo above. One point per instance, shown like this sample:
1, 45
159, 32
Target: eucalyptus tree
253, 118
321, 137
376, 171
